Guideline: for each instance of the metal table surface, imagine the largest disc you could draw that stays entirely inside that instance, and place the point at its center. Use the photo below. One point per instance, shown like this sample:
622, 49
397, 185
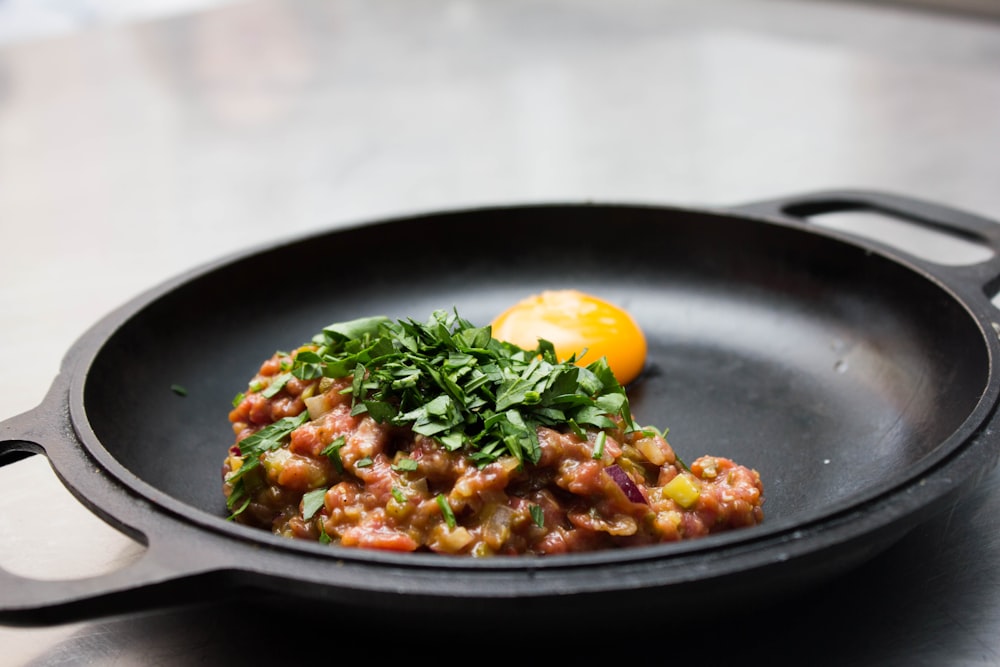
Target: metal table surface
133, 151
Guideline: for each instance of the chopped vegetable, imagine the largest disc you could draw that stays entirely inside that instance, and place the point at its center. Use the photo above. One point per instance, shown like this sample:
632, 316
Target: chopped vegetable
621, 478
268, 438
682, 490
452, 381
449, 516
599, 443
436, 436
312, 502
538, 516
405, 464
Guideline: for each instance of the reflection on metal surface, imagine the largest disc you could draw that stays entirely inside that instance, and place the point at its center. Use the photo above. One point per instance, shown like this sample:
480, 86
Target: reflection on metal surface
22, 20
984, 8
48, 522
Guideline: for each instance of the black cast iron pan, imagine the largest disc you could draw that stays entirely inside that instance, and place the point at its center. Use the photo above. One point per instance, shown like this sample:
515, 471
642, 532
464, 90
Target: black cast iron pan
860, 381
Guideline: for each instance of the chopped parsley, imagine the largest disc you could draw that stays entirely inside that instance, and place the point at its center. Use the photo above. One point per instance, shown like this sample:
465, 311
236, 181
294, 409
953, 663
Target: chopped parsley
312, 502
269, 438
537, 515
452, 381
448, 380
449, 516
405, 465
599, 443
332, 451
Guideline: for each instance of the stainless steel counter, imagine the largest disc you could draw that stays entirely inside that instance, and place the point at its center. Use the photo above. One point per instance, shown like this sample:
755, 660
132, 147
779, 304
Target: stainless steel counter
134, 151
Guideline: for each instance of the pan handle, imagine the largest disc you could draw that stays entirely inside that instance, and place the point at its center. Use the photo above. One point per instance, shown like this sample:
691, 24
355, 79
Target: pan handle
164, 575
983, 231
142, 586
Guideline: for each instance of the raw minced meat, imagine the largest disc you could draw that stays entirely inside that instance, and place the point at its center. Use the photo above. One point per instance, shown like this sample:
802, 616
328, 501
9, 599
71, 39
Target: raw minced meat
333, 473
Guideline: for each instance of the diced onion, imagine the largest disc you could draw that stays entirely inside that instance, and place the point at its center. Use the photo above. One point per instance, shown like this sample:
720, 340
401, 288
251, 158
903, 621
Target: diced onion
452, 540
317, 406
274, 461
626, 484
497, 528
650, 448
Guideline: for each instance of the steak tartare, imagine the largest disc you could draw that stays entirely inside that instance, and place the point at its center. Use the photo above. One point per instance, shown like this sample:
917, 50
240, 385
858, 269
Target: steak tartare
435, 437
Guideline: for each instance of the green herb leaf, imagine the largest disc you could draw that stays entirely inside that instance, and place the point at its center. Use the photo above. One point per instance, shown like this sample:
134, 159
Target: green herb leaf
449, 516
308, 365
449, 380
332, 452
599, 443
537, 515
405, 465
312, 502
354, 329
276, 385
251, 447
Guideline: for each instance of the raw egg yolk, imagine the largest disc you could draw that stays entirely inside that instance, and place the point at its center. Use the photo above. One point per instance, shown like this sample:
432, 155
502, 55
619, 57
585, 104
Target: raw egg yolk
575, 322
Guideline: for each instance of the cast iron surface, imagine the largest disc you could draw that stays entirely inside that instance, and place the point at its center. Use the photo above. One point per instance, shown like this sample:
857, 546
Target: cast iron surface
858, 380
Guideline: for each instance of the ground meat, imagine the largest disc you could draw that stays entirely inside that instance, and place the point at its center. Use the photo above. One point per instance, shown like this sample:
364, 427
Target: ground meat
387, 488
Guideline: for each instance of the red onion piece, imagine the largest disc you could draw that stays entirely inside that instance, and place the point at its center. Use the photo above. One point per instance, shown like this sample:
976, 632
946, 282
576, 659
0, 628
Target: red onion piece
626, 484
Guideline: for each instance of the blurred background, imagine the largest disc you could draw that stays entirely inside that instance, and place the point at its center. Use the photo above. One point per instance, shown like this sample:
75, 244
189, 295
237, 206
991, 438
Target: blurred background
22, 20
141, 139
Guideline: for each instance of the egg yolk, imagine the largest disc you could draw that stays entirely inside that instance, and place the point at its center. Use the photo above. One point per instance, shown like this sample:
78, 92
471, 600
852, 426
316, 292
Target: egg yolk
576, 323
